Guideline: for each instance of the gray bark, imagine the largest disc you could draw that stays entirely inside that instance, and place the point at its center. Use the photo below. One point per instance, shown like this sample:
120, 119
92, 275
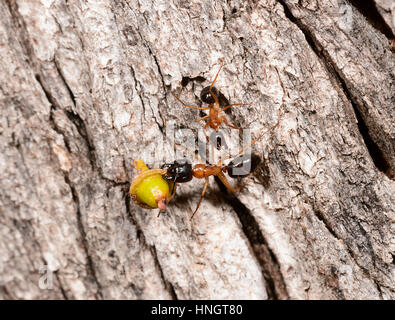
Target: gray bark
85, 89
387, 10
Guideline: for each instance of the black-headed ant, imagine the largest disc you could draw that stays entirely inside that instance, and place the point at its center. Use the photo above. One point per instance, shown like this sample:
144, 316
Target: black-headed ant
211, 96
149, 191
144, 189
181, 171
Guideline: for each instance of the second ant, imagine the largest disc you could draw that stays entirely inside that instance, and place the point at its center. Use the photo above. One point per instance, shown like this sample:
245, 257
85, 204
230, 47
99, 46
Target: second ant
210, 96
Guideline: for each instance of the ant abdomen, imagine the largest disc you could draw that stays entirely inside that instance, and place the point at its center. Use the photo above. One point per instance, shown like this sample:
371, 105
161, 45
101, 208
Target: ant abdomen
242, 166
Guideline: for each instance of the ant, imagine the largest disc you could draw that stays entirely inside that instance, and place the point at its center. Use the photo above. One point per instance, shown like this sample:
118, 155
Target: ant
181, 171
211, 96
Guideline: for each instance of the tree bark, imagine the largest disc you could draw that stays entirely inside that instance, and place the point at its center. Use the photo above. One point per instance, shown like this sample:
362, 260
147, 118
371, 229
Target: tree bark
85, 90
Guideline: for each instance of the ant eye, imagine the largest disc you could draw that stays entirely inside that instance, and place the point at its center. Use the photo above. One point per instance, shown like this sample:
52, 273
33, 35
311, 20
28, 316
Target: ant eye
206, 96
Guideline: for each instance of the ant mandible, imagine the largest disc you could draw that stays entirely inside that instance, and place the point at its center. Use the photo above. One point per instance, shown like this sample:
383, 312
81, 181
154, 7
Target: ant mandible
210, 96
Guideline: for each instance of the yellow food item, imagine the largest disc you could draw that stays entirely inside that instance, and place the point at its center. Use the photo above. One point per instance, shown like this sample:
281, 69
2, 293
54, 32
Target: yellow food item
149, 190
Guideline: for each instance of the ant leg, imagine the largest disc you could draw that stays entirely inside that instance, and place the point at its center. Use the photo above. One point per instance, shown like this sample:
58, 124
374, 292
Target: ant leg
187, 105
216, 76
226, 183
201, 198
202, 118
235, 104
173, 187
223, 118
228, 124
204, 129
205, 126
260, 136
212, 84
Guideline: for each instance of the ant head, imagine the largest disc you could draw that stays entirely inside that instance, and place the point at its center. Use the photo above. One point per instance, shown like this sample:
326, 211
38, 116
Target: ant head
242, 166
206, 96
178, 171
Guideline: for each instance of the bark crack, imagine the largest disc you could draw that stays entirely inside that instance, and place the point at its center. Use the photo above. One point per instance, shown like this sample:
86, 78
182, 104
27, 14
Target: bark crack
161, 77
369, 10
90, 265
168, 285
62, 290
6, 293
61, 76
270, 267
372, 147
137, 90
81, 229
365, 271
150, 52
140, 234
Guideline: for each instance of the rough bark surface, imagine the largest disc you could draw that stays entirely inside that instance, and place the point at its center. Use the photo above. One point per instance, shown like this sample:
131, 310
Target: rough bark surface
386, 8
85, 89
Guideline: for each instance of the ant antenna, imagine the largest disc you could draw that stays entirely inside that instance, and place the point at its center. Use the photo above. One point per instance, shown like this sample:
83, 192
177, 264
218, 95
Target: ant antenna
256, 139
215, 79
272, 127
211, 92
201, 198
